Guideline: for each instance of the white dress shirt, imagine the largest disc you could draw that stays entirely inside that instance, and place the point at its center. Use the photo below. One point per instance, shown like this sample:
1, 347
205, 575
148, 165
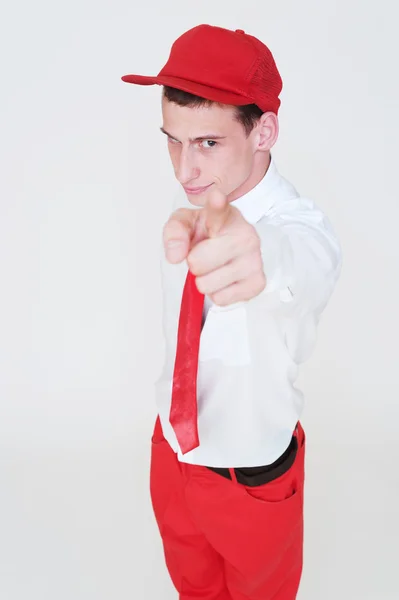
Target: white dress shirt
248, 404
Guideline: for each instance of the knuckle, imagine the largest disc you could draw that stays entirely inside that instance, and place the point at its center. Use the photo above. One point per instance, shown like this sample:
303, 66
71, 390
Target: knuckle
201, 285
218, 299
194, 263
250, 242
253, 242
260, 283
256, 263
191, 263
251, 265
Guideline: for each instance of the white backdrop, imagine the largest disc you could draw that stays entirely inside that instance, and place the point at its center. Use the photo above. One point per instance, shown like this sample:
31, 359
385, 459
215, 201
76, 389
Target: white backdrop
86, 186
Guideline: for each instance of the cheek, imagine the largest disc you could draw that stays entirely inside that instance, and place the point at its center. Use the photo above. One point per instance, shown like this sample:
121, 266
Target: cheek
236, 168
245, 156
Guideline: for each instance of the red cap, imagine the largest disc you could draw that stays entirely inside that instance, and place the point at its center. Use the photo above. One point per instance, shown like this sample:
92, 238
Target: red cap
230, 67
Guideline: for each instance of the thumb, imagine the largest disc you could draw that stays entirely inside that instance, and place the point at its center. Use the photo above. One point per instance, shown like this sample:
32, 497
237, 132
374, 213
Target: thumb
216, 209
177, 234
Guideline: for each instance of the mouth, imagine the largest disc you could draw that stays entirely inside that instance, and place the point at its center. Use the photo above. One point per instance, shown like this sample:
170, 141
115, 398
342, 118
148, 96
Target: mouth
195, 191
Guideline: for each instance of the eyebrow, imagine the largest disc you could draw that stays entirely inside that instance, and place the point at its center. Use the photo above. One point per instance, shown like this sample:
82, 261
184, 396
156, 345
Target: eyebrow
197, 139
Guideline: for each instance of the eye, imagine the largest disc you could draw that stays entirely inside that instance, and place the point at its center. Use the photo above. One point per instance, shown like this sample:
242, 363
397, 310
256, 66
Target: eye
172, 141
211, 143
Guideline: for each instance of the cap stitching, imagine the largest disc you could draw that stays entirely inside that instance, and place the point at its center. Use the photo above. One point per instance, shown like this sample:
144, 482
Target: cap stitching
253, 68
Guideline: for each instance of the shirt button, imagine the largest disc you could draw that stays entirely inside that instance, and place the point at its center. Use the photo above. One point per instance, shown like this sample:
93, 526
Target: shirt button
240, 31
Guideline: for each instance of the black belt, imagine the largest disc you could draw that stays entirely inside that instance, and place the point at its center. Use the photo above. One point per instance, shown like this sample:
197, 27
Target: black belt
254, 476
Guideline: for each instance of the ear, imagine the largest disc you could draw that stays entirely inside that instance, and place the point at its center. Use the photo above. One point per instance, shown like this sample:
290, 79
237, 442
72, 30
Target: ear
266, 131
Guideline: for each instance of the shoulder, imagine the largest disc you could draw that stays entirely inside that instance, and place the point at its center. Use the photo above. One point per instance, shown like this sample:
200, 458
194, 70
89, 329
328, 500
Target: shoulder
291, 210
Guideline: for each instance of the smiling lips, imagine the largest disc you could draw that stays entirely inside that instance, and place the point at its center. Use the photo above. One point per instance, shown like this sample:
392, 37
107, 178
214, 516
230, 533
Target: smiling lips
196, 190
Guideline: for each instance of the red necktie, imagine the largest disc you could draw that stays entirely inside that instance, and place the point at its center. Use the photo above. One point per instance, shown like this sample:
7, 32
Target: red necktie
183, 412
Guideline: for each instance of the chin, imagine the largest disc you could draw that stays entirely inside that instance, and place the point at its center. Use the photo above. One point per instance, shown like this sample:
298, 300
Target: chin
195, 200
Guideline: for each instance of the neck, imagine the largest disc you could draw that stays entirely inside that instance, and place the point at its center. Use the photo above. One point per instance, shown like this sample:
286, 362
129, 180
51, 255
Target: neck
261, 165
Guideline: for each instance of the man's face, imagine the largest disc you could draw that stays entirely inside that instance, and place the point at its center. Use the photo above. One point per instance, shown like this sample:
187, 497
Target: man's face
207, 143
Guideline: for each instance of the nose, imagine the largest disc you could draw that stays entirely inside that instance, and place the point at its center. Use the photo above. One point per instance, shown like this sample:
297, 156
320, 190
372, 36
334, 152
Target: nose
186, 171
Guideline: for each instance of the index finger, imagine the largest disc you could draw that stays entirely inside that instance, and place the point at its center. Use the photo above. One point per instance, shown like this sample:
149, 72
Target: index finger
216, 209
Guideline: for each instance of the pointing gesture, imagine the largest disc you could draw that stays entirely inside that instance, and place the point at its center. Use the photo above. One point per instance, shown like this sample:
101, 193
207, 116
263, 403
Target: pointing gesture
216, 211
221, 248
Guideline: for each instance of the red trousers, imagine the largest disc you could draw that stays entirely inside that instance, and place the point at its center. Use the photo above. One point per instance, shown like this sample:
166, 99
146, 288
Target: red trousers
223, 540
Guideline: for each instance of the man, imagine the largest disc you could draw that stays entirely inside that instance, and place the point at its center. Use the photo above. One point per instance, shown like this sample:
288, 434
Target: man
247, 274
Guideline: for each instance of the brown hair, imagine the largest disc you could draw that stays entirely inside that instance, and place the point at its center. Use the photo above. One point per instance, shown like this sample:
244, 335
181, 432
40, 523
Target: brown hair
248, 115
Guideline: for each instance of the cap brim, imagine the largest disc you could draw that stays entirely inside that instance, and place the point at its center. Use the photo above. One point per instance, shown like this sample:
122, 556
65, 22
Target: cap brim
198, 89
140, 79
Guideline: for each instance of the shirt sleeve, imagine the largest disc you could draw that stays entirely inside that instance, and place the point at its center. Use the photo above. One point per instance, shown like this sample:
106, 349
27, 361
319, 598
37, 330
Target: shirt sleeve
302, 258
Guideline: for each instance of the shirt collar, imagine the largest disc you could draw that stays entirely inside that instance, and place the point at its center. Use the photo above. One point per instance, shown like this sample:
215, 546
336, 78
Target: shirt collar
254, 204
